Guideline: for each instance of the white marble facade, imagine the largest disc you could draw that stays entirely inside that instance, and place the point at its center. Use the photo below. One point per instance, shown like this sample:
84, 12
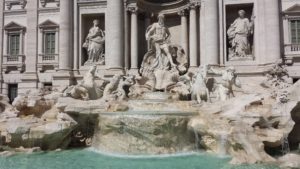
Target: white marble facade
41, 41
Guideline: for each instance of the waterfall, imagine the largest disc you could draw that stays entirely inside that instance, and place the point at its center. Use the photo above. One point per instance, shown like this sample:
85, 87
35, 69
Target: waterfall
197, 140
223, 139
285, 146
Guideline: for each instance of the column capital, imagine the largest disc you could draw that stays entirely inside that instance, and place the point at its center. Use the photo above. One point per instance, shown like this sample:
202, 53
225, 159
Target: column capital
132, 8
183, 12
194, 4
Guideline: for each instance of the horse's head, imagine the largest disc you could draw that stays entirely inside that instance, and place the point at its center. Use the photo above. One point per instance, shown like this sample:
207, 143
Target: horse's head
93, 70
129, 80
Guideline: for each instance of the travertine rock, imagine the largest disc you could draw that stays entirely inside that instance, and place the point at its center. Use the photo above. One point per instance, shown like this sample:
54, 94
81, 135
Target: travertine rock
33, 132
290, 161
33, 103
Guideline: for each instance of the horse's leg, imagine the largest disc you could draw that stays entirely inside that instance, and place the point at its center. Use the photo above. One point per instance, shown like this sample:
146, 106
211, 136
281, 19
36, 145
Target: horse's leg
198, 98
208, 96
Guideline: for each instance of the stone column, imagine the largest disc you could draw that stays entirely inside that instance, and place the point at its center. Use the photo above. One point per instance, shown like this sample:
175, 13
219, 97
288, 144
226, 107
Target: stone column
126, 40
209, 32
184, 31
65, 74
66, 34
114, 25
29, 79
272, 23
193, 35
31, 40
1, 43
134, 38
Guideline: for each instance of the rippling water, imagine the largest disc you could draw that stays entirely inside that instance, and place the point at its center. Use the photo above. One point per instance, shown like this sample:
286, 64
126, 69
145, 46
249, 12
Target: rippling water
87, 159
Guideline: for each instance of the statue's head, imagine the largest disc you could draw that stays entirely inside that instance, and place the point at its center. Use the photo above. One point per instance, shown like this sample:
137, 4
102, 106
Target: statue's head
242, 13
96, 22
161, 19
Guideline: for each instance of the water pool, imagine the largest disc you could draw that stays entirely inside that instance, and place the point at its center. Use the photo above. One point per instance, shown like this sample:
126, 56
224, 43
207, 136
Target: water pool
88, 159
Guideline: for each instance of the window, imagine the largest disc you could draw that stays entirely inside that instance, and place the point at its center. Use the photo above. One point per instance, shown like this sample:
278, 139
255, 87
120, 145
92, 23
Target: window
295, 31
14, 44
12, 92
49, 47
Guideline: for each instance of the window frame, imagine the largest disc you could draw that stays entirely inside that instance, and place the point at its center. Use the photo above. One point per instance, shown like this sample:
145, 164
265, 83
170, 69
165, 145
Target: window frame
52, 42
17, 44
297, 30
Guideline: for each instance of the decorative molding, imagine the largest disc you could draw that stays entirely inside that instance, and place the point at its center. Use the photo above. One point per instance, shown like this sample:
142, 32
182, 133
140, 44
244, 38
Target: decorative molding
10, 3
194, 4
44, 2
183, 12
48, 24
12, 26
132, 9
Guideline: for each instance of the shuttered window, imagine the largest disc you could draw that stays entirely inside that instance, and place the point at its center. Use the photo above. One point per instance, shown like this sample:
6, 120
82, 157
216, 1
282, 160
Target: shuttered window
14, 44
295, 31
50, 43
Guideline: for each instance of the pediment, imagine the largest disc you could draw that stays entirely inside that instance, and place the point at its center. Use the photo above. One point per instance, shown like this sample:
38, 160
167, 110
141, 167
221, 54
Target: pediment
293, 9
13, 26
48, 24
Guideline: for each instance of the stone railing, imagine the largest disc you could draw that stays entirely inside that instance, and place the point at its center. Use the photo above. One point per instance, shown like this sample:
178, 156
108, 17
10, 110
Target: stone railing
292, 48
47, 60
291, 51
13, 62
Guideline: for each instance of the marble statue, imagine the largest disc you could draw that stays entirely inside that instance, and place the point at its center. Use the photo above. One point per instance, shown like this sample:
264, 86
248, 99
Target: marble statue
183, 87
94, 45
224, 87
87, 89
114, 91
159, 36
199, 91
164, 60
238, 34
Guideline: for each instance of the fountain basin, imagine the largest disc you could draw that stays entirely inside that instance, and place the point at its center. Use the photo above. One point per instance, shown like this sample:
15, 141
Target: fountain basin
144, 132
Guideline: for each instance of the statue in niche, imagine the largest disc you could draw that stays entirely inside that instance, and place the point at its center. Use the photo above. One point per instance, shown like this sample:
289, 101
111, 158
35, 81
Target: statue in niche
163, 61
159, 35
238, 34
94, 45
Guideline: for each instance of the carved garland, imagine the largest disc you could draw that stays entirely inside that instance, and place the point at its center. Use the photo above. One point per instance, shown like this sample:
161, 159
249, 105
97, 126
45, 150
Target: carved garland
10, 3
44, 2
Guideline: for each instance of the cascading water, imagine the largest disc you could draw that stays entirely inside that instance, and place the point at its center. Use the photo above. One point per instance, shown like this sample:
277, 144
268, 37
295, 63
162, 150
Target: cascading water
197, 140
223, 139
285, 145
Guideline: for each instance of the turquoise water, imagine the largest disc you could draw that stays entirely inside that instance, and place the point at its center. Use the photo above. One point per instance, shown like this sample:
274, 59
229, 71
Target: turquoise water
87, 159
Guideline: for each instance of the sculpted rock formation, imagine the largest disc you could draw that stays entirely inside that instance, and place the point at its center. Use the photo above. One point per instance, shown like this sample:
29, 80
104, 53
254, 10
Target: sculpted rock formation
38, 124
34, 103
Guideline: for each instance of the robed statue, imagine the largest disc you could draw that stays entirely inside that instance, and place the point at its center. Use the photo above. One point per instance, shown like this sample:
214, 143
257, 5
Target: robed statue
239, 34
94, 45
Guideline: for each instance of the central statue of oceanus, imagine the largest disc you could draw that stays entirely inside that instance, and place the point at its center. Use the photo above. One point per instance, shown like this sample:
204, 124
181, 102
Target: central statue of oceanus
163, 60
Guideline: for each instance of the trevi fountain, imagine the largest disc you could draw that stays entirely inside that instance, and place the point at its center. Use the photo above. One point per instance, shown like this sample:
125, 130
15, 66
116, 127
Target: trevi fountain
163, 115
